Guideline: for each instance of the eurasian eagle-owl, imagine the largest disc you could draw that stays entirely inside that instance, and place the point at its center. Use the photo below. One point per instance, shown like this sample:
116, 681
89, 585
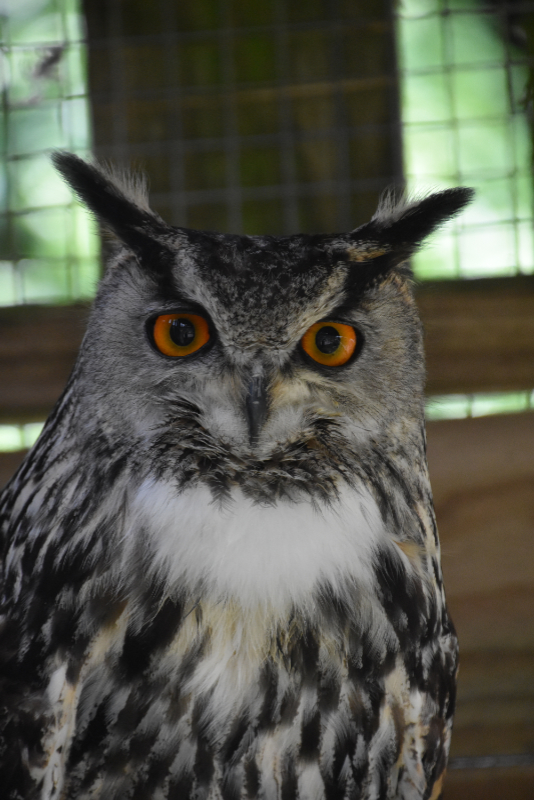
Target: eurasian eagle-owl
221, 574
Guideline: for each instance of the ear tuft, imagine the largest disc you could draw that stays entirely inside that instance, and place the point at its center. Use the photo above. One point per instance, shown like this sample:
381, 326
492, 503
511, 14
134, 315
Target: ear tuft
133, 185
399, 226
414, 220
120, 204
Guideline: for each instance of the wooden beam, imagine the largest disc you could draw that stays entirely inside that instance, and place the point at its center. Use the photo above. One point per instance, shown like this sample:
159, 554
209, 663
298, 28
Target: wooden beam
479, 334
38, 347
482, 474
9, 463
479, 338
495, 705
489, 784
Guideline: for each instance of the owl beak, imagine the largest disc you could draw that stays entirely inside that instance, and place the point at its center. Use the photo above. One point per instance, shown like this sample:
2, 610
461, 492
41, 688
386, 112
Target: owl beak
256, 407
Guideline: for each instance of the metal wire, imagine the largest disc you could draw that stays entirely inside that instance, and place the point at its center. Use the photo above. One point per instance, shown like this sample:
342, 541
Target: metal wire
261, 114
467, 119
47, 253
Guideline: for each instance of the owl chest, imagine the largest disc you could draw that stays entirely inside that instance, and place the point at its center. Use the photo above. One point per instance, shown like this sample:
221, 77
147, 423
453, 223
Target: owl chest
254, 554
258, 681
227, 701
248, 669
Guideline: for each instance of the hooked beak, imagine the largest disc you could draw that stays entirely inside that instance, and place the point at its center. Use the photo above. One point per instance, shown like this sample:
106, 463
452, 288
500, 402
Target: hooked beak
256, 407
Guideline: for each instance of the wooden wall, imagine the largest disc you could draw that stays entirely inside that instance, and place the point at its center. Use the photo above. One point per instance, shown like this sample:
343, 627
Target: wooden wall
482, 473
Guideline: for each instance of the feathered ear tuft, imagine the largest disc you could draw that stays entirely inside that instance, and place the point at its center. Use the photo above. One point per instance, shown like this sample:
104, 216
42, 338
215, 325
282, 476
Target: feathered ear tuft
400, 227
106, 196
412, 221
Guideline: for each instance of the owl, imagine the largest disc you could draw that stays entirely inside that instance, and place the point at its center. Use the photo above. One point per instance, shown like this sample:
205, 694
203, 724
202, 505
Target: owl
220, 562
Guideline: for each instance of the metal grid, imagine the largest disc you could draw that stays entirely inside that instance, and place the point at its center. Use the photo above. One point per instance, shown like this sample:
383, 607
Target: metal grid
466, 70
47, 250
248, 117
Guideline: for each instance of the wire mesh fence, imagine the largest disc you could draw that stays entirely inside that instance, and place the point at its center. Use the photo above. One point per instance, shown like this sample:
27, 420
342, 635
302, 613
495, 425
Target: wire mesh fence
465, 68
47, 251
258, 118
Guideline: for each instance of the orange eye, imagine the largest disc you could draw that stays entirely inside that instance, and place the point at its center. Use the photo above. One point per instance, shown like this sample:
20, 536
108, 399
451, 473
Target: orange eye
330, 343
180, 334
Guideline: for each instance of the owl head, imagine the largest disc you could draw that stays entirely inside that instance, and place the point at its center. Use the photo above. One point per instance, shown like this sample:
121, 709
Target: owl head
252, 349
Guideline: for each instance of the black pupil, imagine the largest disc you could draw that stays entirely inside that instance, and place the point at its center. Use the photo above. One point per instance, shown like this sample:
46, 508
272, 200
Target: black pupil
182, 332
328, 339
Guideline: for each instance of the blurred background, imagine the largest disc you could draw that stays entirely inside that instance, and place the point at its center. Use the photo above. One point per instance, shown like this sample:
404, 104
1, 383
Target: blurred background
293, 115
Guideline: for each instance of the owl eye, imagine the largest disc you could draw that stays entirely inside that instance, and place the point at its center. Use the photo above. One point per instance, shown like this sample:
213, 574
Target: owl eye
180, 335
330, 343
